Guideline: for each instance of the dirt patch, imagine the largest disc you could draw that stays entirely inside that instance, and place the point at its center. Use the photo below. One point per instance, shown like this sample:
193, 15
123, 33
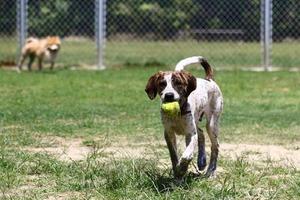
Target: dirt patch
65, 195
64, 149
257, 153
31, 183
74, 149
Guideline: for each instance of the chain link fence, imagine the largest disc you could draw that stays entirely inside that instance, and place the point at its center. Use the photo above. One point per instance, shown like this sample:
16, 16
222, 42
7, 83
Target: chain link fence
286, 33
163, 32
8, 34
230, 33
73, 21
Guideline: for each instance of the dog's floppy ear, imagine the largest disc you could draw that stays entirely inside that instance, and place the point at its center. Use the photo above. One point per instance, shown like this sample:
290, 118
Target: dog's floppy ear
151, 87
191, 82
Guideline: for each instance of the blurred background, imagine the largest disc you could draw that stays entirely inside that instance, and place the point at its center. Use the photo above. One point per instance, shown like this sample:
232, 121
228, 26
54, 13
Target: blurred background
116, 33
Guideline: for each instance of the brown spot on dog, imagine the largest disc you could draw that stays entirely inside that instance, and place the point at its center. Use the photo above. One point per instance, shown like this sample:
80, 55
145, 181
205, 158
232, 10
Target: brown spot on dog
184, 82
208, 69
155, 84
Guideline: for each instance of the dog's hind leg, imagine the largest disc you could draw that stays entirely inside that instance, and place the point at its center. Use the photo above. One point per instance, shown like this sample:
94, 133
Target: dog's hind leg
201, 162
31, 60
212, 130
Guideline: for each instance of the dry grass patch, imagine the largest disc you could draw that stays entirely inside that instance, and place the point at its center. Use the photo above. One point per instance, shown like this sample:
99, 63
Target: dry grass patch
74, 149
258, 153
63, 149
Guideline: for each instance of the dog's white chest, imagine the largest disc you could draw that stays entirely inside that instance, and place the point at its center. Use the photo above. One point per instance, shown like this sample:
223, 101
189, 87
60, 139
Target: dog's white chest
179, 124
49, 56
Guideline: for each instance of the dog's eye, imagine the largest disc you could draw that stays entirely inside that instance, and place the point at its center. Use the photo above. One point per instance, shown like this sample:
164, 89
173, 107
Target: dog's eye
176, 82
162, 84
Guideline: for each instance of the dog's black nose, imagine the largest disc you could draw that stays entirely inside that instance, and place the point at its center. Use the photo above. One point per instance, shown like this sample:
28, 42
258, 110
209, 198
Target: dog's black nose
169, 97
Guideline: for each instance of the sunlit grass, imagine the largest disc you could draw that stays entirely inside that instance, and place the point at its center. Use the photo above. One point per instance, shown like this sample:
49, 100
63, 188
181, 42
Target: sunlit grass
260, 108
257, 105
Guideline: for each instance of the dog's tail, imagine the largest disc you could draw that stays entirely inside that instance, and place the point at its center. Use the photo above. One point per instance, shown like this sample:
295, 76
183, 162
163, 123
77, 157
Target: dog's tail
195, 60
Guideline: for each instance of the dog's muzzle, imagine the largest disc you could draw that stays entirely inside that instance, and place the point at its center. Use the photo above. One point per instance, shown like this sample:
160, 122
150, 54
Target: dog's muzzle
53, 48
169, 97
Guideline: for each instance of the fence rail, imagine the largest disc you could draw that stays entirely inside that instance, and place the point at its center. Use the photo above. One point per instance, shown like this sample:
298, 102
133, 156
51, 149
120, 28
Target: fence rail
230, 33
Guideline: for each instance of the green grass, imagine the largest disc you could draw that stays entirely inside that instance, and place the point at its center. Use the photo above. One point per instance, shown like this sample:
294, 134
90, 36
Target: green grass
223, 54
77, 103
137, 179
78, 52
82, 52
8, 50
259, 108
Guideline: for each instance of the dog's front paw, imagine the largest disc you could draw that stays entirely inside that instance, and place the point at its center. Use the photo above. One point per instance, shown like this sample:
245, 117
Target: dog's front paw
210, 174
182, 167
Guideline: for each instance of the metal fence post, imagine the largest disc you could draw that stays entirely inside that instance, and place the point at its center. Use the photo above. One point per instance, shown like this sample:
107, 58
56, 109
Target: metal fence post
100, 15
21, 22
266, 33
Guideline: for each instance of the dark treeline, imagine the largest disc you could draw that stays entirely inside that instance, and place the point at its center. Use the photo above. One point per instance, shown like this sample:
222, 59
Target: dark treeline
158, 19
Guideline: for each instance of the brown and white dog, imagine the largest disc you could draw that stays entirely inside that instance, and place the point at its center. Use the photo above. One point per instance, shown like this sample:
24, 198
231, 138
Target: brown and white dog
197, 98
44, 49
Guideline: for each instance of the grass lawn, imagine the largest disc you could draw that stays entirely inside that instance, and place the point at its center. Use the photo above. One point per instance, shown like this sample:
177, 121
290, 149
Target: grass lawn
82, 52
96, 108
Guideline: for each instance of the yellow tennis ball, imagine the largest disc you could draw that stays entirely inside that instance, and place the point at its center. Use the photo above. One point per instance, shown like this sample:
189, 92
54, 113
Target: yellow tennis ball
171, 109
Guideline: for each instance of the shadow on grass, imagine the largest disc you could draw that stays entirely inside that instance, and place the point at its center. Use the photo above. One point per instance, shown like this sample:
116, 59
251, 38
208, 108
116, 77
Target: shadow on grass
148, 63
55, 70
45, 70
163, 183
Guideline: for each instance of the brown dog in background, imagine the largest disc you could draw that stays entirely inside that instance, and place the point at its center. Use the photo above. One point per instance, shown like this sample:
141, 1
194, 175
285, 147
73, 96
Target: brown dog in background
44, 49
